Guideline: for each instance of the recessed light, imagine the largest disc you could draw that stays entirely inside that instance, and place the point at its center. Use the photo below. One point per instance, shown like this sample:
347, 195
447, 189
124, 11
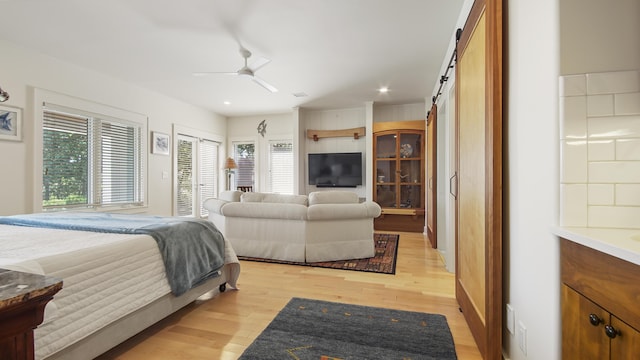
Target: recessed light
227, 103
383, 90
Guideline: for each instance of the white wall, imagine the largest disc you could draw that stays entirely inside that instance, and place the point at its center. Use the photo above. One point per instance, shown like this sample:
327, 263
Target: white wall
22, 71
245, 128
599, 36
337, 119
401, 112
531, 252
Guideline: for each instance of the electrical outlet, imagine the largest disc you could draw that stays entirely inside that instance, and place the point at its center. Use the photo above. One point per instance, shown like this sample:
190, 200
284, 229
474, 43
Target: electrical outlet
511, 319
521, 337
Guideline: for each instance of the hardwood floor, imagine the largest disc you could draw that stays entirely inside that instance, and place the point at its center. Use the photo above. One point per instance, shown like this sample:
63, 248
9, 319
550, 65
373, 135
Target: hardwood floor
223, 326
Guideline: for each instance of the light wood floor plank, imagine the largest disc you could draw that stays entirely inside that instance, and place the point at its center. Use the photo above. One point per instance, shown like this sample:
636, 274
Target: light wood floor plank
223, 326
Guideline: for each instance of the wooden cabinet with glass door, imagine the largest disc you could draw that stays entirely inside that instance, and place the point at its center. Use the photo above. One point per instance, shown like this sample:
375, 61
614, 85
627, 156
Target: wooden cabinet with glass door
399, 175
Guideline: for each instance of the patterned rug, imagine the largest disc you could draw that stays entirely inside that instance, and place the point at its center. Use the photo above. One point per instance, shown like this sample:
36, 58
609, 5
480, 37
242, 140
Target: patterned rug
312, 329
383, 262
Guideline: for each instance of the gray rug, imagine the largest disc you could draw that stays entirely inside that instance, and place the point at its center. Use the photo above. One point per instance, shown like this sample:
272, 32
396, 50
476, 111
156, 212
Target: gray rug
320, 330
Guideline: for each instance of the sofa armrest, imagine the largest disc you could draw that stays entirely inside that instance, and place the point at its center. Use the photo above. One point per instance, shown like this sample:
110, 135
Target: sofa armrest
265, 210
343, 211
214, 205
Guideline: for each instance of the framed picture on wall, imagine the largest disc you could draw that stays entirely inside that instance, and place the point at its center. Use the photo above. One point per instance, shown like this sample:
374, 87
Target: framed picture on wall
10, 123
159, 143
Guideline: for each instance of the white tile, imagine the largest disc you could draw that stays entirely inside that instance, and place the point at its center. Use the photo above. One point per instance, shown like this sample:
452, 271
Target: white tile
573, 205
614, 127
621, 217
599, 105
574, 161
611, 172
627, 104
628, 195
602, 150
601, 194
613, 82
571, 85
573, 117
628, 149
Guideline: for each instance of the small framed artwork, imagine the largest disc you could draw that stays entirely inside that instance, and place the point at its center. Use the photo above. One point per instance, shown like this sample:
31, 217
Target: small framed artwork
159, 143
10, 123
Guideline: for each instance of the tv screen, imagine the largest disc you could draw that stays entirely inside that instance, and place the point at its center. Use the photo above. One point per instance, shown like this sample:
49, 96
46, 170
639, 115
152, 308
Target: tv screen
335, 169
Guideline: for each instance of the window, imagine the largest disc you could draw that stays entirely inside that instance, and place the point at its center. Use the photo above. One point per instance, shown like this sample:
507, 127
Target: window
244, 155
281, 166
90, 160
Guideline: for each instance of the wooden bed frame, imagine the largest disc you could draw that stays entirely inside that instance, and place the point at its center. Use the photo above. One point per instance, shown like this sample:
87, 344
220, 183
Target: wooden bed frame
121, 330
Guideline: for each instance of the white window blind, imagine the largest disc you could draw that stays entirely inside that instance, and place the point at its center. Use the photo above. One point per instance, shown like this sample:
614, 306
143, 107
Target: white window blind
90, 160
281, 166
244, 155
185, 175
208, 172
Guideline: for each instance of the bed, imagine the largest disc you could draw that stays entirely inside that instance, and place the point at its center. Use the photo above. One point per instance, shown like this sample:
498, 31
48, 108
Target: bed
116, 277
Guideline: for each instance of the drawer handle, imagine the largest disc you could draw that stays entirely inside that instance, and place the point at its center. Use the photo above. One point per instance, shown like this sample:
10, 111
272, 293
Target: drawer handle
595, 320
611, 331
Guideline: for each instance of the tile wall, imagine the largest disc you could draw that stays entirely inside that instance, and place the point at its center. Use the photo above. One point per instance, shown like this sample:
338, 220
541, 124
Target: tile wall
600, 150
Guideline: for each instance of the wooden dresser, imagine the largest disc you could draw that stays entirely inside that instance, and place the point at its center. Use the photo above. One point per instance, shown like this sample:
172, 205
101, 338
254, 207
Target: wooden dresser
23, 297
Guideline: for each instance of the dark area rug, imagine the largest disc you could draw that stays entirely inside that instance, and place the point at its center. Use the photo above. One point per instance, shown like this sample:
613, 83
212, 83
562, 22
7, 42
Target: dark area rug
314, 329
383, 262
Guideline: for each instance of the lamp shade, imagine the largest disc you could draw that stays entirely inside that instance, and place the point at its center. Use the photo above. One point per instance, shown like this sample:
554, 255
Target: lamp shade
230, 164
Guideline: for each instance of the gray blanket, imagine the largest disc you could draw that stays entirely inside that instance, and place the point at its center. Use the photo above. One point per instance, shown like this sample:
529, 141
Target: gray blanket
192, 249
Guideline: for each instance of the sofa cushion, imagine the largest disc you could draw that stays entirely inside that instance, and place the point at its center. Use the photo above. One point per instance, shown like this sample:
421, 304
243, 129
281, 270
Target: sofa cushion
265, 210
333, 197
343, 211
273, 198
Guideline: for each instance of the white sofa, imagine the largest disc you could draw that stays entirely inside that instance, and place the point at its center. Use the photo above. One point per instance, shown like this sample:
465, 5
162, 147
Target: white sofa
323, 226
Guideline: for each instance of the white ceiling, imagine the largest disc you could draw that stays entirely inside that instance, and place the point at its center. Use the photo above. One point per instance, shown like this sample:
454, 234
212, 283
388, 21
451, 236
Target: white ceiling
338, 52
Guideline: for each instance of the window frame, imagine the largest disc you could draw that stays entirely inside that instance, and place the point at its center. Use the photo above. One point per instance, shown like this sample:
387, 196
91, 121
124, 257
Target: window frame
235, 156
48, 99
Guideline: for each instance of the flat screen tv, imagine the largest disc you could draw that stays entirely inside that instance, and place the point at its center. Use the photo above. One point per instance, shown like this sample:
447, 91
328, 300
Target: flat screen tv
335, 169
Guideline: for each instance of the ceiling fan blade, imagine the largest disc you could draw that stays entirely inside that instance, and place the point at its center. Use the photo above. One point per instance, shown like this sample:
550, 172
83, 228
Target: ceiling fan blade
258, 63
264, 84
214, 73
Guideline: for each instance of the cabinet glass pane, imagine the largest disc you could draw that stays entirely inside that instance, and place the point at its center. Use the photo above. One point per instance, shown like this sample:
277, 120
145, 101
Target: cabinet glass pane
410, 145
386, 195
410, 196
385, 171
410, 171
386, 146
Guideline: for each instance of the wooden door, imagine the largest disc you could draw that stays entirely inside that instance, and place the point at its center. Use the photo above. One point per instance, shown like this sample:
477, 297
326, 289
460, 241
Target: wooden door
432, 156
479, 168
625, 346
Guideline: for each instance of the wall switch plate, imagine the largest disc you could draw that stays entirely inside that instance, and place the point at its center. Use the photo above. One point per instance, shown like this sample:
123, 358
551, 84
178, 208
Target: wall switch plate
511, 319
521, 337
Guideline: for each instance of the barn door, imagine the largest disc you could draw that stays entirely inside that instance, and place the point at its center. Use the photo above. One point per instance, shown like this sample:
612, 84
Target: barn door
432, 165
479, 168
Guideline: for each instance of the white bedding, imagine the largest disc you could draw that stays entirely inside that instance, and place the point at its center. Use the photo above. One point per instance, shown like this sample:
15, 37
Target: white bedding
106, 276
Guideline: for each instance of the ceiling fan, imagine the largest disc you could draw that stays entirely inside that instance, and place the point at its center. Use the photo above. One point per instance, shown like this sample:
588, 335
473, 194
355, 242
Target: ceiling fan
247, 71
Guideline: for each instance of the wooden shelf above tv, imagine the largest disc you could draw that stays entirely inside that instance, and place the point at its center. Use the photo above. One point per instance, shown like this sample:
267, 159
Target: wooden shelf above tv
318, 134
